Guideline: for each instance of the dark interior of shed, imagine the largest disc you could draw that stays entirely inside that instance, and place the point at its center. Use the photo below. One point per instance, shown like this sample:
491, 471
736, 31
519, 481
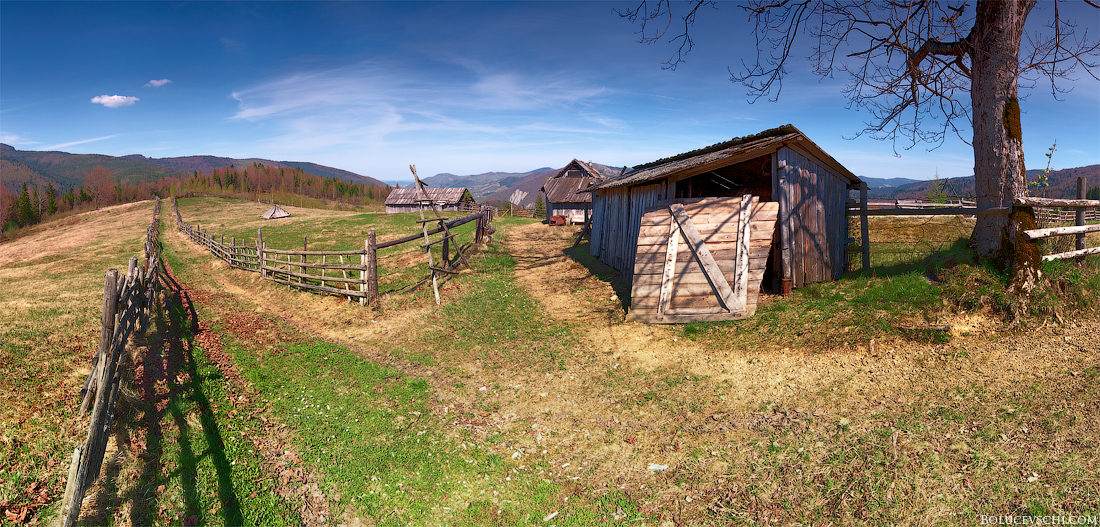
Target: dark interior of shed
747, 177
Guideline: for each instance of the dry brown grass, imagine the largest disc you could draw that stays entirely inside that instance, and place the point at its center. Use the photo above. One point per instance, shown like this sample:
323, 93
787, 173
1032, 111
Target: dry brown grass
50, 300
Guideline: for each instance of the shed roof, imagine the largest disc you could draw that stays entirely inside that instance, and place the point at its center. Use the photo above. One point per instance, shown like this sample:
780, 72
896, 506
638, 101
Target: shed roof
567, 185
766, 141
444, 196
275, 212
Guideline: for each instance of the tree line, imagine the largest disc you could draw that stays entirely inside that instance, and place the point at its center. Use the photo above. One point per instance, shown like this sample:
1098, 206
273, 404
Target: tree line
35, 203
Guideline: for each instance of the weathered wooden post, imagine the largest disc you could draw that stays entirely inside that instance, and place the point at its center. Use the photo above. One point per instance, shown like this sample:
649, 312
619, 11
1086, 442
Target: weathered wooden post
1079, 220
232, 251
302, 268
370, 262
446, 251
260, 252
864, 231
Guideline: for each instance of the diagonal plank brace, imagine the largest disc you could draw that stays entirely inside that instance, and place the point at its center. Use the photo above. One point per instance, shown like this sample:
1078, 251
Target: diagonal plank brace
729, 301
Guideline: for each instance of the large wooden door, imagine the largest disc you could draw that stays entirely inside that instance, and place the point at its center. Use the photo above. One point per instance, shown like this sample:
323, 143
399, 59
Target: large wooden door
701, 259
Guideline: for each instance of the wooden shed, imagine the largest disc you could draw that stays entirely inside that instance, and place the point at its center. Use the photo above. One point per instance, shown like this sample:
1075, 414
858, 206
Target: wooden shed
564, 192
275, 212
778, 165
408, 199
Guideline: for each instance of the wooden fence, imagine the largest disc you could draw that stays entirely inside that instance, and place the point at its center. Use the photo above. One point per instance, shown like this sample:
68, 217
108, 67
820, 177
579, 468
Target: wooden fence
1080, 229
1043, 209
127, 303
352, 273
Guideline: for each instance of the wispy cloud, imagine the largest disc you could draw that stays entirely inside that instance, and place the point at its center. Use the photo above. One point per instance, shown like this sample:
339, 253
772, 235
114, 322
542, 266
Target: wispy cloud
12, 139
157, 83
114, 101
233, 46
416, 100
83, 141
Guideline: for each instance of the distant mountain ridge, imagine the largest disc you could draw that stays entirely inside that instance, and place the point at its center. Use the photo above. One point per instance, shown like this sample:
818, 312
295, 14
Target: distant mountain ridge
499, 186
67, 170
208, 163
1062, 184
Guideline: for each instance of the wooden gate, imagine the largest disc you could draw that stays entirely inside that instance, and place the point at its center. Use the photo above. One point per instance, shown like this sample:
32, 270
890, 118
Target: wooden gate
718, 276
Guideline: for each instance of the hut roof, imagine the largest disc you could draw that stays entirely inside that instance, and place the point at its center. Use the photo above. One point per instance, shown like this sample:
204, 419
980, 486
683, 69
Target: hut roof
440, 196
275, 212
768, 140
567, 185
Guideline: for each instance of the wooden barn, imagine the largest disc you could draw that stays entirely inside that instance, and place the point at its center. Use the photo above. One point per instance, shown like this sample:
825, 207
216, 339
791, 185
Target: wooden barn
779, 165
408, 199
564, 192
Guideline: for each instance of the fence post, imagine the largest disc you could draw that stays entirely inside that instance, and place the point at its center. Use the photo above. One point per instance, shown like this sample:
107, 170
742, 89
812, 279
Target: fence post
260, 251
370, 274
232, 251
1080, 217
864, 231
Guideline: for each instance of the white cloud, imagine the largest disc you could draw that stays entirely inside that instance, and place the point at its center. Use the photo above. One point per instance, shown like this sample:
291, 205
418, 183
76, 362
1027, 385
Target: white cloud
157, 84
82, 141
114, 101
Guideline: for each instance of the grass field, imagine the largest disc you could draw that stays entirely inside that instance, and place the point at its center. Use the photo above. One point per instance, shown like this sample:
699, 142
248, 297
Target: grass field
526, 398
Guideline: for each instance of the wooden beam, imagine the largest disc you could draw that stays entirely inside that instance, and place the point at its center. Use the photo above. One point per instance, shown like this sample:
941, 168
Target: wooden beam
864, 231
706, 261
941, 211
1049, 202
1072, 254
1035, 234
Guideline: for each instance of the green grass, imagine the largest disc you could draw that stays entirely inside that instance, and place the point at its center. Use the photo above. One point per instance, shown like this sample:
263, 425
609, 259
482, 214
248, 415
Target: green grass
399, 267
371, 433
518, 336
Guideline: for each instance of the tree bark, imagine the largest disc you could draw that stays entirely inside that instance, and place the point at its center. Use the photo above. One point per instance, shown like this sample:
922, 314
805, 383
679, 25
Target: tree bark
998, 142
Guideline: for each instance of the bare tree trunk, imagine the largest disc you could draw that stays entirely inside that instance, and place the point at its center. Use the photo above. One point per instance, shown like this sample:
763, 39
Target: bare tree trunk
998, 146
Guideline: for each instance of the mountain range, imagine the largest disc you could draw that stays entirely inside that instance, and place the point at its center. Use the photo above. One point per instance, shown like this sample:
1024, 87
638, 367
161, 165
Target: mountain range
499, 186
67, 170
1061, 184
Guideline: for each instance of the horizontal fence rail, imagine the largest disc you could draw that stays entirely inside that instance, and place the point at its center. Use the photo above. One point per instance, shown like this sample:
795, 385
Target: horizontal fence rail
1081, 212
942, 233
127, 303
350, 273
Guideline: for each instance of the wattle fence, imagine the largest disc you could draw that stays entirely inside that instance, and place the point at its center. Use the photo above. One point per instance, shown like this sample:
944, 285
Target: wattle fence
127, 303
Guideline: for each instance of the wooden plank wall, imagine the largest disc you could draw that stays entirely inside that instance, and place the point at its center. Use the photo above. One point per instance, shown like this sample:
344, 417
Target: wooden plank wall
818, 230
616, 216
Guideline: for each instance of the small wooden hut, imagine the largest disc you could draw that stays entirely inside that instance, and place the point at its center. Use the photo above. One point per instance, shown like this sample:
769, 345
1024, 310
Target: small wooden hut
408, 199
275, 212
778, 165
564, 192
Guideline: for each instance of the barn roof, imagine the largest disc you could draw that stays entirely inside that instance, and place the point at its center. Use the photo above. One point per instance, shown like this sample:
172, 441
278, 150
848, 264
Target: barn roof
440, 196
567, 185
766, 141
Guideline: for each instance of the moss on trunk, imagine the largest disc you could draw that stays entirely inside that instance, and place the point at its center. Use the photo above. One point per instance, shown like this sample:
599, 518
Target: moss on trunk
1027, 260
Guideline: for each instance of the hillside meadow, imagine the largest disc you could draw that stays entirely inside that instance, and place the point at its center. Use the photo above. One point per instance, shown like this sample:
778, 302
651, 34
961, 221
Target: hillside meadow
526, 398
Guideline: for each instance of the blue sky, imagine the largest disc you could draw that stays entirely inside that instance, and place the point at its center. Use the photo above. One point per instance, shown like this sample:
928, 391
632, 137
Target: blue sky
456, 87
